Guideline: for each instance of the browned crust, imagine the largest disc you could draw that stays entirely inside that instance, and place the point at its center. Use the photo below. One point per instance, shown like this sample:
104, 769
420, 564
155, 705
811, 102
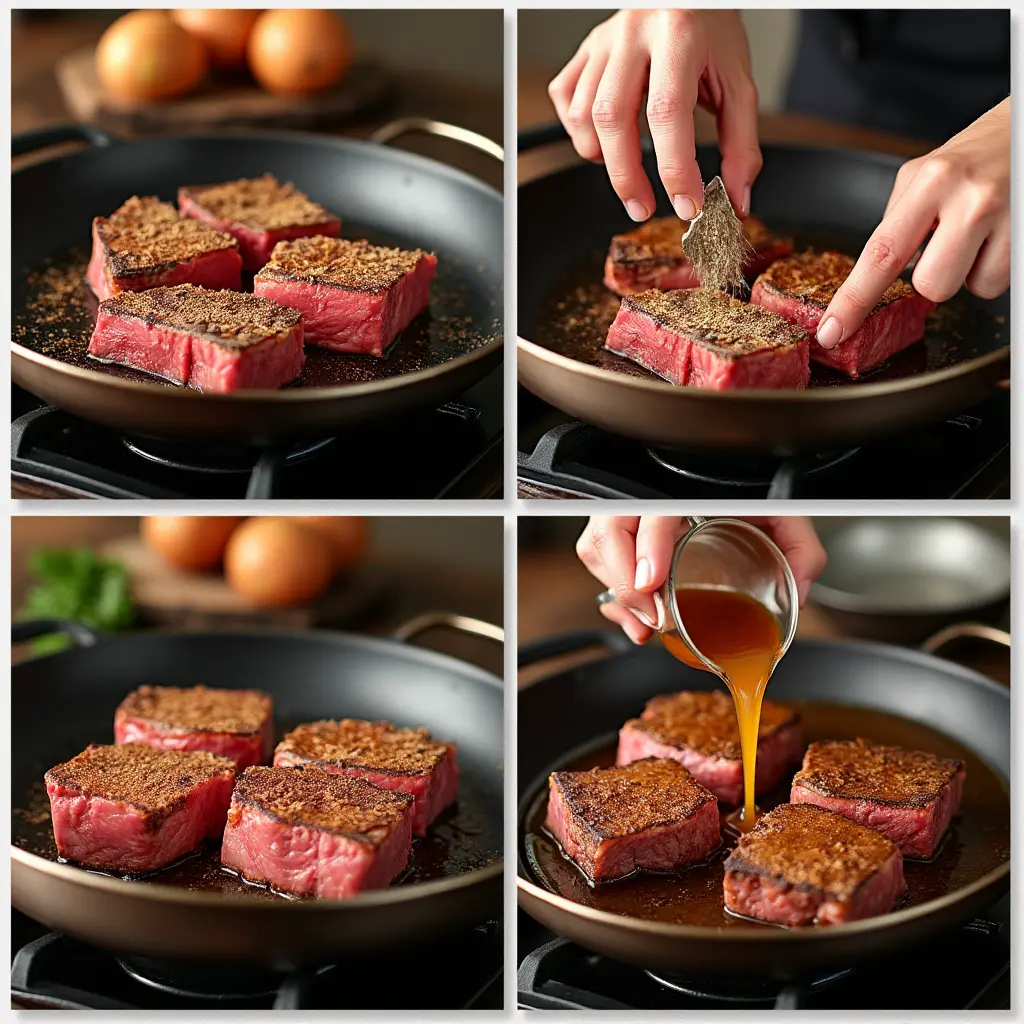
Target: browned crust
812, 849
156, 783
339, 804
376, 746
263, 203
199, 709
622, 801
145, 235
859, 770
706, 722
716, 321
658, 242
232, 319
353, 265
814, 278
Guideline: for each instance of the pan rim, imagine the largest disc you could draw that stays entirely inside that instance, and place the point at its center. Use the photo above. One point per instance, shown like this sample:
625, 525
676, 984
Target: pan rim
772, 396
254, 396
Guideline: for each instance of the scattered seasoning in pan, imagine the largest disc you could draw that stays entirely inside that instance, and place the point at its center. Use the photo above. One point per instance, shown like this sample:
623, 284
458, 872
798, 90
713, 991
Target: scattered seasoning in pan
716, 244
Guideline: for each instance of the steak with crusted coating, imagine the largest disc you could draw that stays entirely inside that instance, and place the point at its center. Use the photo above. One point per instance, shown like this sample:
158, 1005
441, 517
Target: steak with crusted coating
310, 833
407, 760
910, 796
212, 341
237, 724
800, 288
145, 243
699, 730
709, 340
131, 809
355, 297
804, 865
648, 815
651, 256
258, 213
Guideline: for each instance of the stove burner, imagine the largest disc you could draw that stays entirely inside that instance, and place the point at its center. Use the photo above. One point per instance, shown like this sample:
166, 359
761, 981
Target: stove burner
748, 992
203, 458
191, 981
752, 471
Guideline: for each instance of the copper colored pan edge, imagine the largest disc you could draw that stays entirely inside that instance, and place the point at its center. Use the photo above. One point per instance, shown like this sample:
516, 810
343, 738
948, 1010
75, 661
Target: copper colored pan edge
784, 422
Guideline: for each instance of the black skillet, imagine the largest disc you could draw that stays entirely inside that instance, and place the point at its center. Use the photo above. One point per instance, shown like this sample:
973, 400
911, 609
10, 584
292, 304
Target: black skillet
61, 703
826, 198
571, 718
387, 195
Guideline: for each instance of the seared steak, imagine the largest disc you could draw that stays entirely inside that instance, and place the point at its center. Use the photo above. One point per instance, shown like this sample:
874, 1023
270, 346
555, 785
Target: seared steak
144, 243
131, 809
237, 724
213, 341
805, 865
408, 760
908, 795
259, 213
355, 297
704, 340
651, 814
309, 833
801, 287
698, 729
651, 256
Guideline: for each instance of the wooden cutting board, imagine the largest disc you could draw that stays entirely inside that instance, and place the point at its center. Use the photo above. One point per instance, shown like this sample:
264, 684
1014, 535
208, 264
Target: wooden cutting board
221, 102
171, 598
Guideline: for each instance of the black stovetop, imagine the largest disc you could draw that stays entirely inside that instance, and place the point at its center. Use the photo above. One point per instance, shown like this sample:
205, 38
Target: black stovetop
965, 969
967, 456
452, 452
51, 971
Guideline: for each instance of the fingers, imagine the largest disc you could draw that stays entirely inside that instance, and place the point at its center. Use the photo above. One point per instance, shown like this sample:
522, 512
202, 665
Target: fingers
671, 98
655, 541
798, 541
616, 112
562, 87
888, 251
947, 259
630, 624
990, 275
579, 117
737, 142
607, 548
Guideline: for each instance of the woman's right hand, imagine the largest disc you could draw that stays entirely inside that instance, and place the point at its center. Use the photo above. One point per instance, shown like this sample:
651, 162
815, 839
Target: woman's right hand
679, 59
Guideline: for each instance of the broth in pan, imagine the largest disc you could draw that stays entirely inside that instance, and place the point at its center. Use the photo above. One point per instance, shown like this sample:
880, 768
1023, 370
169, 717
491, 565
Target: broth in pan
977, 843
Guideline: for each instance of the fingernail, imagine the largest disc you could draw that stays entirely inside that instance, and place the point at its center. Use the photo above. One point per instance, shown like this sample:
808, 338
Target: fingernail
643, 574
830, 332
804, 592
745, 203
685, 207
636, 209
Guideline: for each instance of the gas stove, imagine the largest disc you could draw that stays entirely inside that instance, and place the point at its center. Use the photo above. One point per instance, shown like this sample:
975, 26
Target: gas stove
967, 456
55, 972
967, 969
455, 451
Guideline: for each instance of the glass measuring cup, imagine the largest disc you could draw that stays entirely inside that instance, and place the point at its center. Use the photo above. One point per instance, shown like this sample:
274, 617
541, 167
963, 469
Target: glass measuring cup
725, 554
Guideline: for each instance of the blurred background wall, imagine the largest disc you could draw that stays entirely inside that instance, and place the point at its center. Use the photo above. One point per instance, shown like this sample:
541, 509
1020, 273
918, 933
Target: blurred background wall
547, 39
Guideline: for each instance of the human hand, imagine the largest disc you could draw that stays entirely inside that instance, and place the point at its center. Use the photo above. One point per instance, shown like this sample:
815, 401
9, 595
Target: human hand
631, 555
679, 59
962, 191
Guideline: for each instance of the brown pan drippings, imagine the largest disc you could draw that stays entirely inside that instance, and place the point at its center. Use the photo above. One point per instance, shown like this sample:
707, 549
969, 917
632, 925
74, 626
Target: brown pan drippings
459, 841
978, 842
576, 312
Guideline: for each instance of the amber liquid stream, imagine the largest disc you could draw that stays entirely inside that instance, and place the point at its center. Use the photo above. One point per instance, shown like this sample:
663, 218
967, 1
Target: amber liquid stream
743, 638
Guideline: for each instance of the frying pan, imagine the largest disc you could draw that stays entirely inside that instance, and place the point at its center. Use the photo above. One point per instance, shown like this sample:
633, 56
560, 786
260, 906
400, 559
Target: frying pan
822, 197
572, 708
62, 703
389, 196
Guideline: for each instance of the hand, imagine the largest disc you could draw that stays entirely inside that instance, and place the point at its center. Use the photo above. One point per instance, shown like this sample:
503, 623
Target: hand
962, 191
679, 59
631, 556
